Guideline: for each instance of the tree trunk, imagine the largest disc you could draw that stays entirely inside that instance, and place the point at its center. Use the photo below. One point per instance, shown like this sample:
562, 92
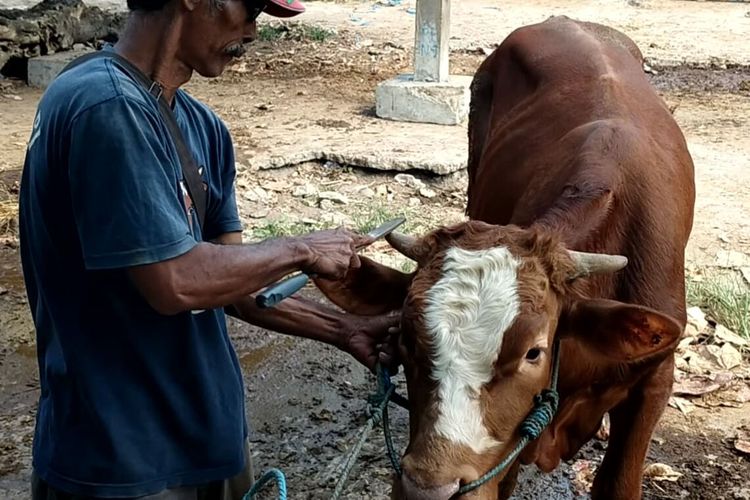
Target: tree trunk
52, 26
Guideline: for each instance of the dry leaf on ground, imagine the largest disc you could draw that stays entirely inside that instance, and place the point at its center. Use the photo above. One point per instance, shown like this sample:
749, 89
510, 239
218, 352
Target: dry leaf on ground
681, 404
698, 360
698, 385
734, 395
690, 336
726, 335
729, 357
661, 472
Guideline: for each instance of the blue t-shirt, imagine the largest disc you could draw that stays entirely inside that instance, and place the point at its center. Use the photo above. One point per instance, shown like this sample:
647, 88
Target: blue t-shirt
132, 401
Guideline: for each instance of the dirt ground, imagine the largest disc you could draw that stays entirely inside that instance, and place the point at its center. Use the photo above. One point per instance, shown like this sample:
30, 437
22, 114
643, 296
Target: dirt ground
301, 114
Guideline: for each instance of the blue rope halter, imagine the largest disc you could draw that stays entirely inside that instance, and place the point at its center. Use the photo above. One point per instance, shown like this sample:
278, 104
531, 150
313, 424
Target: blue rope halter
545, 407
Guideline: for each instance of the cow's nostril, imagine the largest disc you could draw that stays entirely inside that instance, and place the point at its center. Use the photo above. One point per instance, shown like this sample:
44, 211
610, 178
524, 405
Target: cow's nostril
414, 491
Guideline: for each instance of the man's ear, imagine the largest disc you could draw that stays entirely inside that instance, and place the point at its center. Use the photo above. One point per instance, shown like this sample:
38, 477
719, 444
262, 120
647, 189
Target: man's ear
621, 332
369, 289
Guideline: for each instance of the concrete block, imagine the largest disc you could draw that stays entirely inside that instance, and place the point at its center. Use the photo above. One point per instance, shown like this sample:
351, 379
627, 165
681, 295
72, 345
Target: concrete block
43, 69
444, 103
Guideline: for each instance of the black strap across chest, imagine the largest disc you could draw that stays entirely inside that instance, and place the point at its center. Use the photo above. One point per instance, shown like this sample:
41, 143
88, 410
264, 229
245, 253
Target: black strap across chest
190, 172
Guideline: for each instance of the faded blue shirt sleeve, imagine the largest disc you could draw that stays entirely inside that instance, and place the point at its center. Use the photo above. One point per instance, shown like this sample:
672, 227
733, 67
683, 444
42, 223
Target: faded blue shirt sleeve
221, 213
125, 187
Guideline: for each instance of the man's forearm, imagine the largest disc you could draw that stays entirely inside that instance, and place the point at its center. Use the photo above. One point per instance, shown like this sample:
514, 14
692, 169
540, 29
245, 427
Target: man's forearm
213, 275
294, 316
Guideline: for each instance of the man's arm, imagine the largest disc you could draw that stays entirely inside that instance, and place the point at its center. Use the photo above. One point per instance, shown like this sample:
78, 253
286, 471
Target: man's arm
368, 339
364, 338
214, 275
293, 316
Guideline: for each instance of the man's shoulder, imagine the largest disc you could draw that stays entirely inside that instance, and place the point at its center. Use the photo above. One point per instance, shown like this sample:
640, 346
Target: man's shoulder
204, 113
90, 84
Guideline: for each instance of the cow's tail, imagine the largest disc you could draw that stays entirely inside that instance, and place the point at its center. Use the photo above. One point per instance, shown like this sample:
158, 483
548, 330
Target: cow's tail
480, 110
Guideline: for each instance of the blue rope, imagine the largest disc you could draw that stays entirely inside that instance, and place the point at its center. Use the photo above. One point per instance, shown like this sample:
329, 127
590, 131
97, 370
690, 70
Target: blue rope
385, 384
545, 407
268, 476
378, 413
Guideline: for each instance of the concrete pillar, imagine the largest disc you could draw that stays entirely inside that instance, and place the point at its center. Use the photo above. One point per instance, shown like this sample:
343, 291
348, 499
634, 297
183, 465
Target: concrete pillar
430, 94
431, 40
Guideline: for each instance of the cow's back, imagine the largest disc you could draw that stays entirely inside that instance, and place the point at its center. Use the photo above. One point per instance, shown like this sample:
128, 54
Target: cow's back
567, 132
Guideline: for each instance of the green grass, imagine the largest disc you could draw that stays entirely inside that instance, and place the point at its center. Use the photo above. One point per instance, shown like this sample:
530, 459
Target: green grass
277, 228
368, 216
726, 298
317, 33
365, 218
294, 31
269, 33
407, 266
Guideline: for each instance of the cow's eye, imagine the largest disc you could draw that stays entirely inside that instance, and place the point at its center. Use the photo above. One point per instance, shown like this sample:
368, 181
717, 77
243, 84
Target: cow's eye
533, 354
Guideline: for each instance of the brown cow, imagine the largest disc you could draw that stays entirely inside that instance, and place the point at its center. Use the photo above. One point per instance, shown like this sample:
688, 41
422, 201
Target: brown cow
570, 148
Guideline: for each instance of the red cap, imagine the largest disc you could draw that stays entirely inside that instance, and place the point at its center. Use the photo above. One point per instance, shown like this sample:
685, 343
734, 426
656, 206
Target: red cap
284, 8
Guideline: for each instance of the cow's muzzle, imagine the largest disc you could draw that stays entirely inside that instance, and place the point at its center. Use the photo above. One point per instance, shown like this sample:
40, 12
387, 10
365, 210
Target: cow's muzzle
412, 491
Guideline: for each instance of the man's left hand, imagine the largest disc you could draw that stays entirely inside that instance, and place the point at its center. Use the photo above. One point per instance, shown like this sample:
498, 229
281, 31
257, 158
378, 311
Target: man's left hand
372, 339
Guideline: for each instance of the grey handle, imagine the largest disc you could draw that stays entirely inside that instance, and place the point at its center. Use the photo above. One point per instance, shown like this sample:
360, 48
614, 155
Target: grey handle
281, 290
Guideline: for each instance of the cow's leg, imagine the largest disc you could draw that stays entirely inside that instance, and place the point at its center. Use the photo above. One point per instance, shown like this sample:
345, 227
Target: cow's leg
632, 425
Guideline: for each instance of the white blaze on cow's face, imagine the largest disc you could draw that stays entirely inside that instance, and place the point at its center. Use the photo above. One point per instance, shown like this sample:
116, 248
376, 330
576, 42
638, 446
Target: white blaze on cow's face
467, 313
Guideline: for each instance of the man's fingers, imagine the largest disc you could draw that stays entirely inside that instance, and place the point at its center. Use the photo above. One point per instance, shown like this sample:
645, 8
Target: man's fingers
385, 359
390, 363
384, 348
362, 240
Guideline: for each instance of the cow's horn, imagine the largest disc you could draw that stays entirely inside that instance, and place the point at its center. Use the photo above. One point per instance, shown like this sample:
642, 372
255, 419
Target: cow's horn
596, 263
405, 244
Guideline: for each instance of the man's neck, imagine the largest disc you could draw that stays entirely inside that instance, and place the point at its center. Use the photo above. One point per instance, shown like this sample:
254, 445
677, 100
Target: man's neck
151, 42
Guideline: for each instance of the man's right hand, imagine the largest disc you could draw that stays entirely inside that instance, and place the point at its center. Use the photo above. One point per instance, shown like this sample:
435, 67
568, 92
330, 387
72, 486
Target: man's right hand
331, 253
215, 275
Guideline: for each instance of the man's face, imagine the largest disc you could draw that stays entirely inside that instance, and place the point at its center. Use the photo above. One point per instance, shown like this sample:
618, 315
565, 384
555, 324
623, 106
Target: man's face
214, 33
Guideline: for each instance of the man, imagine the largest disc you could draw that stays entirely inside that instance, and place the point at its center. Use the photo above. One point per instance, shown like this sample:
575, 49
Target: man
141, 391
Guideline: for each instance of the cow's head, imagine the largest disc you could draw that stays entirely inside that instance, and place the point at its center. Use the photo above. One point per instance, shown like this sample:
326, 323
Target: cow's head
479, 318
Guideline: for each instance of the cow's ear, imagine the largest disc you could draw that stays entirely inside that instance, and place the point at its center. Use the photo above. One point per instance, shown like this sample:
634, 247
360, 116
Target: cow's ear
621, 332
368, 290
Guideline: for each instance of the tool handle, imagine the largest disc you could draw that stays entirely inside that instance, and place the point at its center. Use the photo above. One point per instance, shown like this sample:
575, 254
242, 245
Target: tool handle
281, 290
